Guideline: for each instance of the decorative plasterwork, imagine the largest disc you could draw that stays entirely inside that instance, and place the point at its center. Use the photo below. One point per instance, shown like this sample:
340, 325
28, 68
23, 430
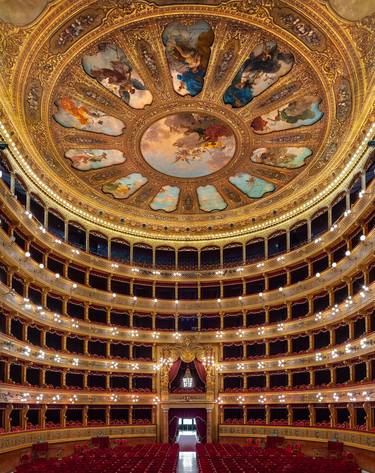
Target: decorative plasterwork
52, 65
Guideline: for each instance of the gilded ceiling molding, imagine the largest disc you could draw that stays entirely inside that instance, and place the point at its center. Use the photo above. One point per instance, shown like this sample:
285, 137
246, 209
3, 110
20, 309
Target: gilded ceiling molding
266, 102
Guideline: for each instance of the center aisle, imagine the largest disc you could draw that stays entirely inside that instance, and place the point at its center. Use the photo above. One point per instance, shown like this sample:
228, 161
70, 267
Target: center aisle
187, 462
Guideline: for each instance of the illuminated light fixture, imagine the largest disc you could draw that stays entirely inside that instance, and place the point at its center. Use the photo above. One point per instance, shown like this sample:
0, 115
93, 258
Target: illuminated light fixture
348, 348
155, 335
318, 357
57, 358
347, 212
282, 398
114, 265
156, 273
114, 331
114, 295
318, 316
42, 229
27, 254
260, 294
113, 365
219, 400
176, 301
317, 275
39, 398
176, 274
334, 264
41, 355
75, 362
281, 363
113, 398
59, 242
75, 324
57, 318
41, 266
260, 365
333, 227
240, 298
219, 273
347, 253
187, 380
219, 300
219, 334
134, 366
57, 275
134, 333
280, 289
240, 333
73, 399
156, 400
155, 300
240, 366
319, 397
262, 399
366, 396
334, 353
177, 335
260, 330
239, 270
335, 397
135, 270
55, 398
240, 399
74, 285
135, 298
363, 343
27, 351
317, 240
362, 237
280, 326
134, 398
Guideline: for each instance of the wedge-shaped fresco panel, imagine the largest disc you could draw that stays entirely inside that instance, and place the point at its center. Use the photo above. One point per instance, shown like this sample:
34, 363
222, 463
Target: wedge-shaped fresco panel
87, 159
72, 113
301, 112
166, 199
252, 186
188, 50
265, 65
291, 157
209, 199
111, 68
125, 186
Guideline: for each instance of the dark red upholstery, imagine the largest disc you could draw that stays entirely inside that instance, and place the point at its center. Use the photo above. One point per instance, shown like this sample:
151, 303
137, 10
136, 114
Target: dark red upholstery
227, 458
150, 458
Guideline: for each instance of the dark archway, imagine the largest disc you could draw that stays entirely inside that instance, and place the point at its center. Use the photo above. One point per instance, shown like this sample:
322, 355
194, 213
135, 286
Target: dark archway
200, 416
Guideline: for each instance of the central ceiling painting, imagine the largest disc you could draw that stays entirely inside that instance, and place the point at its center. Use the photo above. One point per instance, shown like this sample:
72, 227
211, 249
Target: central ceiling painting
188, 145
154, 125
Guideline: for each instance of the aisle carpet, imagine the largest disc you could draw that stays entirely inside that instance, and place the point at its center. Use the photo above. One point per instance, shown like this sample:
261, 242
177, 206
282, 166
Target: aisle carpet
187, 443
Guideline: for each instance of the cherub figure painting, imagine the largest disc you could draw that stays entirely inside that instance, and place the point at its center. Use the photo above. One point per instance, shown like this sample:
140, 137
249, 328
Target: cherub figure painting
290, 157
188, 51
111, 68
252, 186
87, 159
125, 186
72, 113
265, 65
301, 112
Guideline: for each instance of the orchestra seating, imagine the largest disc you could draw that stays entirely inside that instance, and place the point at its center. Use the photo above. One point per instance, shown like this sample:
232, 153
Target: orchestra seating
149, 458
227, 458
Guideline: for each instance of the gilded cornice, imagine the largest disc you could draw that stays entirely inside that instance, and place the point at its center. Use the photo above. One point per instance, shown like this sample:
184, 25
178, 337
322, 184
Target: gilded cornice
337, 58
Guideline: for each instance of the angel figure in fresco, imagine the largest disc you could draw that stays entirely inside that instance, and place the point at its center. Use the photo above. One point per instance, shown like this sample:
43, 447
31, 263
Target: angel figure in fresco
119, 75
88, 156
188, 52
82, 114
264, 66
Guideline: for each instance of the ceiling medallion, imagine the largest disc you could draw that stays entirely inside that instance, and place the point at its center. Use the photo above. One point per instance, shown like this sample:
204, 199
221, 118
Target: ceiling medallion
188, 145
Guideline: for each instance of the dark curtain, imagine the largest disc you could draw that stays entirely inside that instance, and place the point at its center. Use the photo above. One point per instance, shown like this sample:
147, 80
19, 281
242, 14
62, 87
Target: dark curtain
174, 370
176, 384
200, 370
200, 416
201, 428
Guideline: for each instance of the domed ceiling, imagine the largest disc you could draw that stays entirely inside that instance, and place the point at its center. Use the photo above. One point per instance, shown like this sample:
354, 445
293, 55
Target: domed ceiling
175, 117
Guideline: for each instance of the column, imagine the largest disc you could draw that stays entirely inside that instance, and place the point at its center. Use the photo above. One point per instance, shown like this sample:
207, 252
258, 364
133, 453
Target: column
164, 425
209, 425
63, 416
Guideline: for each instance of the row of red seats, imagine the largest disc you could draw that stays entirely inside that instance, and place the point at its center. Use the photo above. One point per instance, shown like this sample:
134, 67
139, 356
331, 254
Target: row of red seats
226, 458
150, 458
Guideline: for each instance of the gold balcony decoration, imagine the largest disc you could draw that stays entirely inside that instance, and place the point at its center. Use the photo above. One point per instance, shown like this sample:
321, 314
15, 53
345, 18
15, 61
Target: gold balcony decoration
150, 118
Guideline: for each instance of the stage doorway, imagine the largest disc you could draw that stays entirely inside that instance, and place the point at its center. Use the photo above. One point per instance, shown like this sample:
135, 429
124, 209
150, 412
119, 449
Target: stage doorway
187, 427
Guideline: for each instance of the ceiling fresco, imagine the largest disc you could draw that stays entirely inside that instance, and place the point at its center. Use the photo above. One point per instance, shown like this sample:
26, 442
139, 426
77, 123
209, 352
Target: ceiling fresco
176, 115
182, 161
